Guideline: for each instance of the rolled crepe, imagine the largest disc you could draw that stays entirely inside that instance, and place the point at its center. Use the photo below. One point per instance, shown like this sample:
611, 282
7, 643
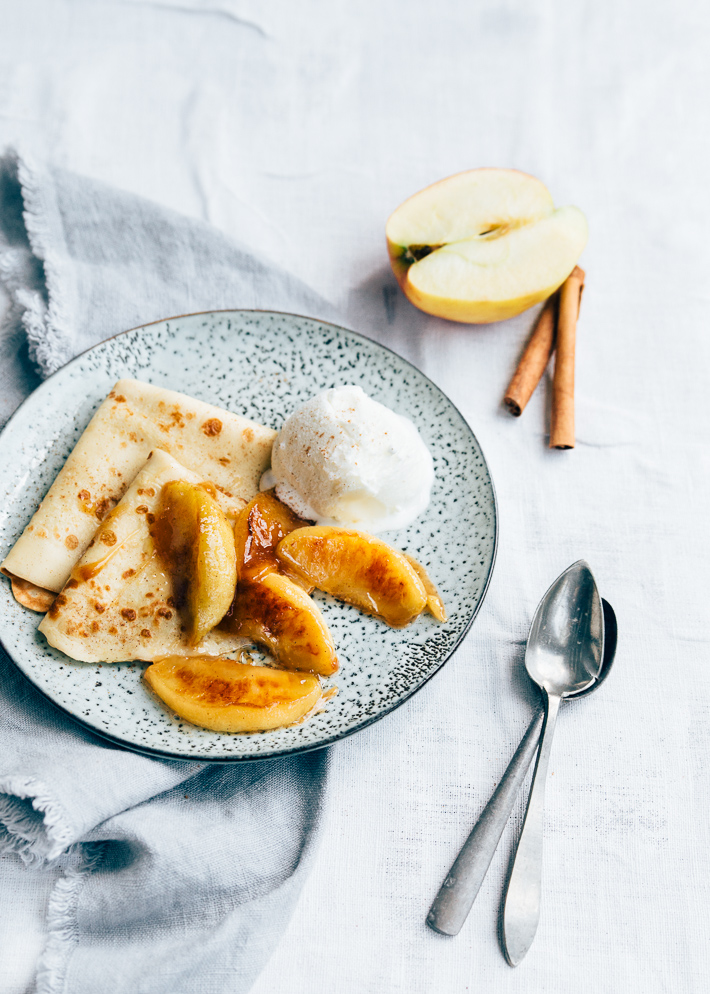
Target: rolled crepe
119, 601
230, 451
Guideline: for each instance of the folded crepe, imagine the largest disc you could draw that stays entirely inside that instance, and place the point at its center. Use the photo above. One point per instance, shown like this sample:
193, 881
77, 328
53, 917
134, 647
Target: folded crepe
119, 602
226, 449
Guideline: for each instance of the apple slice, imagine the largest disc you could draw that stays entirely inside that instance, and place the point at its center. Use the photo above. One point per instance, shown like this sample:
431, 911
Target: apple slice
434, 602
226, 696
196, 542
483, 245
277, 613
259, 528
356, 568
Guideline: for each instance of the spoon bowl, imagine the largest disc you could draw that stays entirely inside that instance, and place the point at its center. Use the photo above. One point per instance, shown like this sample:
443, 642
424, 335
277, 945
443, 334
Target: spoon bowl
565, 647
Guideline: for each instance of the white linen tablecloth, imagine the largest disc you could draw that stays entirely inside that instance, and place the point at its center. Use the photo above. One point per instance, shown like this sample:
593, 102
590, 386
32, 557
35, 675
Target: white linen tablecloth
297, 128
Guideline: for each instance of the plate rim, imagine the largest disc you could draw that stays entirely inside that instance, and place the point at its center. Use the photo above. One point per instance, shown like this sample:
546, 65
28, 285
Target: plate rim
340, 736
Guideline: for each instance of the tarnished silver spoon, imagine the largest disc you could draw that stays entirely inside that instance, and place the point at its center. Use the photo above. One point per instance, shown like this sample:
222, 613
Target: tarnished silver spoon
563, 657
458, 892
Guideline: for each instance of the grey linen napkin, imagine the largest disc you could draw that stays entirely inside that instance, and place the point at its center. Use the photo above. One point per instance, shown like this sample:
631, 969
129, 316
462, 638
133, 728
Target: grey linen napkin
178, 878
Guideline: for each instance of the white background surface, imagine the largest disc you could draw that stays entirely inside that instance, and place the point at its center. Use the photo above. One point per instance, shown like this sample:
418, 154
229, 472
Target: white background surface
297, 128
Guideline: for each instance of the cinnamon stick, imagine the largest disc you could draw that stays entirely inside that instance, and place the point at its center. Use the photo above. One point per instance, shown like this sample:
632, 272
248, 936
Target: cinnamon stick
534, 360
562, 426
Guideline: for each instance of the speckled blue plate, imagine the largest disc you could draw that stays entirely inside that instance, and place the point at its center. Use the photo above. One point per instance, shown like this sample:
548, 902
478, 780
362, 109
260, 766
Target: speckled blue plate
263, 365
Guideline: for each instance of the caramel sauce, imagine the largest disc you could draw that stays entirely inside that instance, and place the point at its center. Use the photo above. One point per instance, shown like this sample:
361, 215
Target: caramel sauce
259, 528
88, 571
106, 536
173, 535
98, 508
210, 488
255, 612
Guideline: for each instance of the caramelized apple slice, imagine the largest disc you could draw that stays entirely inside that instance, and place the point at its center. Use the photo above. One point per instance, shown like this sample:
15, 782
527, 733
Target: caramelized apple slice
434, 603
232, 697
197, 543
276, 613
358, 569
259, 528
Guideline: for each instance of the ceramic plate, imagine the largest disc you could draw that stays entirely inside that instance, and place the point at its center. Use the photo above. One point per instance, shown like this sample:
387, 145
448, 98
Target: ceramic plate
263, 365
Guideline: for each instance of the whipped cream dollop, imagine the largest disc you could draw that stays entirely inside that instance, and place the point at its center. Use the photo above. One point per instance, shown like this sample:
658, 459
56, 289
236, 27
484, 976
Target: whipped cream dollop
344, 459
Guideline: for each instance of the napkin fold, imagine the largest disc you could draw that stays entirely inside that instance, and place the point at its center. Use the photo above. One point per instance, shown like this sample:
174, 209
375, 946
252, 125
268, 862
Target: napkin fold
178, 878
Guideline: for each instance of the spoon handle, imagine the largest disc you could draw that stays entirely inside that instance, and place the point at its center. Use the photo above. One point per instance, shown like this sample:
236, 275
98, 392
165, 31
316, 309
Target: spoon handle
458, 892
522, 900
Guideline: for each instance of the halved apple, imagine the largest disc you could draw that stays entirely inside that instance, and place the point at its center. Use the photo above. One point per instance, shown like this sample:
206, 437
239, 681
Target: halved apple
483, 245
195, 540
358, 569
226, 696
275, 612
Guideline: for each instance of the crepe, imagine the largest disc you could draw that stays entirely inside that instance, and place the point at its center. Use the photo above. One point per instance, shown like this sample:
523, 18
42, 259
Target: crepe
119, 602
230, 451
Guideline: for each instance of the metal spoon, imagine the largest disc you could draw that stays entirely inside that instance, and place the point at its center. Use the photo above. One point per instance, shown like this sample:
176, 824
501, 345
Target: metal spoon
463, 882
563, 656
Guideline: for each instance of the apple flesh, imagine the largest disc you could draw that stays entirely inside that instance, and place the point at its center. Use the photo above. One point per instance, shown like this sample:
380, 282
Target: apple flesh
196, 542
356, 568
278, 614
227, 696
483, 245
